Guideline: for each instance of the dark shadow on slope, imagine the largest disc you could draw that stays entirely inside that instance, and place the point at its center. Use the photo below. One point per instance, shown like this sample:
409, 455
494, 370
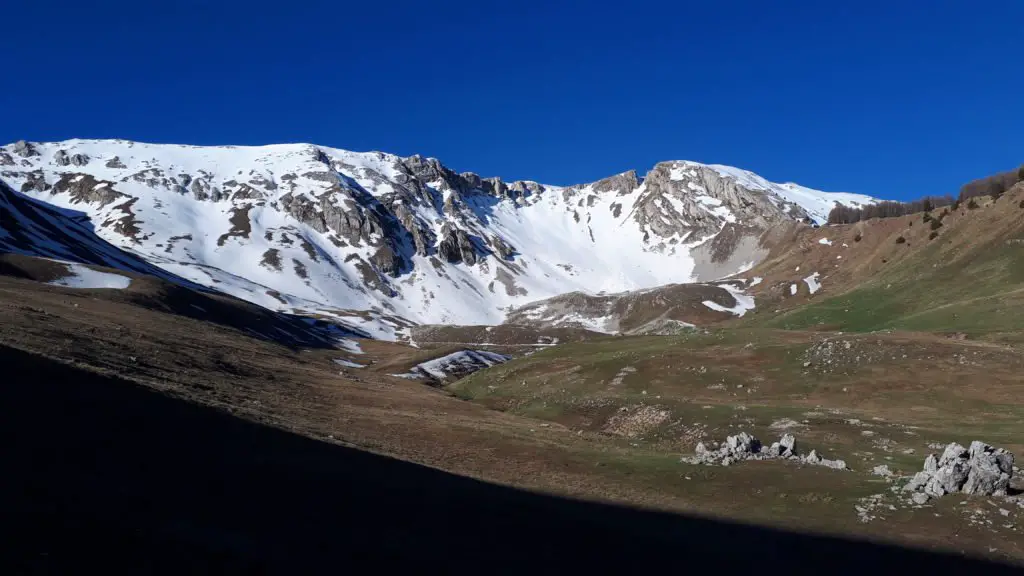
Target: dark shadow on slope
105, 474
34, 228
152, 293
31, 230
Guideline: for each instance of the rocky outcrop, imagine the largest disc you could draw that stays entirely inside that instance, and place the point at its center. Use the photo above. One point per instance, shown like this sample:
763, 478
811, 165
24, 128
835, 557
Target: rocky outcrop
63, 159
25, 149
85, 188
691, 199
35, 181
980, 469
202, 190
116, 163
336, 210
431, 171
744, 446
503, 249
524, 188
621, 183
422, 238
387, 261
456, 246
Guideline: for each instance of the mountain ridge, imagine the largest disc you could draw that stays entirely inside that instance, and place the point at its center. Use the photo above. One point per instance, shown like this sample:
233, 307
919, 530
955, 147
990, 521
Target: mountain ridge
339, 233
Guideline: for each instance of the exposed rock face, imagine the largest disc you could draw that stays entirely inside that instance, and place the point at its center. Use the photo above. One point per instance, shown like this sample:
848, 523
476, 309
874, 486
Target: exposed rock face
24, 149
504, 250
62, 159
696, 201
387, 261
623, 183
115, 162
35, 181
744, 446
423, 238
85, 188
981, 470
456, 246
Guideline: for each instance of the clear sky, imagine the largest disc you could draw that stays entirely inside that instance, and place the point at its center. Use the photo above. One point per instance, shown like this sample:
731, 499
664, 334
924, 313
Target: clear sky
890, 98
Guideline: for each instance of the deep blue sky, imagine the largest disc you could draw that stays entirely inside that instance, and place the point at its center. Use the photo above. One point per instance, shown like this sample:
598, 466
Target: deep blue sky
893, 98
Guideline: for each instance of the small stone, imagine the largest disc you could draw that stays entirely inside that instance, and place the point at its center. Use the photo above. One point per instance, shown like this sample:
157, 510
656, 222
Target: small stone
919, 498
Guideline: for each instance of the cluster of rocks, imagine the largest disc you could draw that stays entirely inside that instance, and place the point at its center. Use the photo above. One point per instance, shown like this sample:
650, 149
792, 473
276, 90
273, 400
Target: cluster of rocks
63, 159
744, 446
980, 469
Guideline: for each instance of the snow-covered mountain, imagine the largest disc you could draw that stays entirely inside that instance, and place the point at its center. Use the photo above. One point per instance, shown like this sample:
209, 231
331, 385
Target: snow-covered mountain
372, 236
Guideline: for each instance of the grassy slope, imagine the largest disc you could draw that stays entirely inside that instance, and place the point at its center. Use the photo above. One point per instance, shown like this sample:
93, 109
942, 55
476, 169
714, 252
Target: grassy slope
970, 279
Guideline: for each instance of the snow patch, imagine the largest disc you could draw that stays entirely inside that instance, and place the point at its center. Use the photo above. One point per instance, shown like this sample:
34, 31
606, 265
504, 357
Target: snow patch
812, 283
348, 363
460, 362
825, 241
744, 302
350, 346
85, 277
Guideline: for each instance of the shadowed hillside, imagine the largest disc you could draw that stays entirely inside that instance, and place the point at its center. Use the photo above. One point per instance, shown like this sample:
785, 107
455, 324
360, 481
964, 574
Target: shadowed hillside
106, 474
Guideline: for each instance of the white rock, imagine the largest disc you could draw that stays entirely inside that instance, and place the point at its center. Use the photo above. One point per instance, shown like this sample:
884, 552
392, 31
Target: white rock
952, 452
788, 444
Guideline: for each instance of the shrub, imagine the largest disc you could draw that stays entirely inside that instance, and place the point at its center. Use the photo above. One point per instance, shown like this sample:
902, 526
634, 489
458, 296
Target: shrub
858, 236
901, 240
971, 204
936, 224
944, 213
927, 217
1021, 204
993, 185
933, 235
